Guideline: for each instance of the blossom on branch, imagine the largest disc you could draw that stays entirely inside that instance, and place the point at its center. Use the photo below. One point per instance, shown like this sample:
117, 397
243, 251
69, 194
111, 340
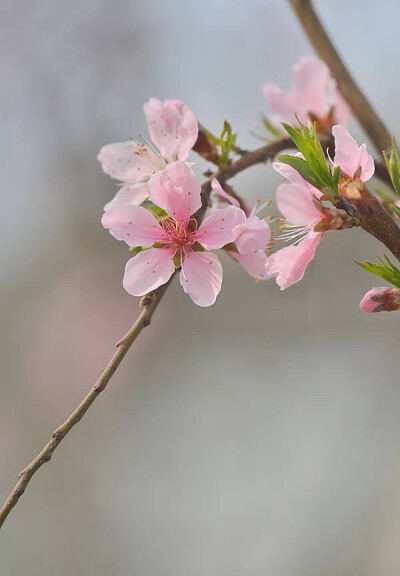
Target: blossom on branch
313, 96
306, 218
173, 130
353, 160
175, 241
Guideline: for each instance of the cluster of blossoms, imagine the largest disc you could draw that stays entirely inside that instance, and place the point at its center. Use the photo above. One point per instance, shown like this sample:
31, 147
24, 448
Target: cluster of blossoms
306, 216
159, 197
173, 240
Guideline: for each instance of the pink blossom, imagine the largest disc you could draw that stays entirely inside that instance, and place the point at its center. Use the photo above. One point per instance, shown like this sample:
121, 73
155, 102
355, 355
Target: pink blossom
173, 130
295, 177
312, 96
351, 157
380, 300
302, 213
252, 240
175, 240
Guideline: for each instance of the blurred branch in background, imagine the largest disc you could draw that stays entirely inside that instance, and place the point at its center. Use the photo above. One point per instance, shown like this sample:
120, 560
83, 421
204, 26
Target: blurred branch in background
324, 47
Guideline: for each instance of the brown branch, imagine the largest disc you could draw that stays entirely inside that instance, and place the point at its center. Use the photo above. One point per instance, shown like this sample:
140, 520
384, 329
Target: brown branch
149, 303
374, 218
322, 44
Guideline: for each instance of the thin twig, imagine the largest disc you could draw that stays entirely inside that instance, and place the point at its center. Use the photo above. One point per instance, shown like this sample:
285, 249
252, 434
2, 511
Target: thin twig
362, 109
149, 303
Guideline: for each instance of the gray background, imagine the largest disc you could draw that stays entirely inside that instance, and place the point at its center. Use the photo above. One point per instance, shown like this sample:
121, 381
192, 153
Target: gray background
258, 437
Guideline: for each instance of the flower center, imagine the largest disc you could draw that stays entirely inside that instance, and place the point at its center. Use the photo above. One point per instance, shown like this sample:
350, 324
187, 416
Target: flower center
177, 233
291, 233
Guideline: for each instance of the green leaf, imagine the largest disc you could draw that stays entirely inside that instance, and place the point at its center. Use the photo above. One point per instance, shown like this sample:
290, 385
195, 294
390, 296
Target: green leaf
270, 127
393, 166
227, 143
395, 208
211, 136
386, 270
319, 174
301, 166
157, 210
138, 249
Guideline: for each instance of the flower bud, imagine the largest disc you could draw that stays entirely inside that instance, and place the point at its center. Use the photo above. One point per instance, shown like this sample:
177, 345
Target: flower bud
380, 300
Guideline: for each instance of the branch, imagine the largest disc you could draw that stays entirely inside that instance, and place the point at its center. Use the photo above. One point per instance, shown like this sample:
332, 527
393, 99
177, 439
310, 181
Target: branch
149, 303
374, 218
322, 44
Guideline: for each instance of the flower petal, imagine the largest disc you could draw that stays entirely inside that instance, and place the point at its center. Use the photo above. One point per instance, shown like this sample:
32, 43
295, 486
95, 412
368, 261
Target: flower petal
255, 235
283, 103
349, 156
134, 224
311, 79
173, 128
254, 263
381, 300
293, 176
176, 190
129, 194
129, 161
342, 111
201, 277
222, 226
289, 264
367, 164
148, 270
219, 191
296, 203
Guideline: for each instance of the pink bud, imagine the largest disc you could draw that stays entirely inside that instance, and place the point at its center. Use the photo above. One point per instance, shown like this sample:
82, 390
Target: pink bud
380, 300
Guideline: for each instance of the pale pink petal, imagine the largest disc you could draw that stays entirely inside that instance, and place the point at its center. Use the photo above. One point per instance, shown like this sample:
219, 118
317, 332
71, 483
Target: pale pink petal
129, 161
381, 300
289, 264
255, 236
221, 227
217, 189
367, 164
173, 128
254, 263
293, 176
296, 203
311, 78
201, 277
283, 103
129, 194
342, 111
134, 225
176, 190
148, 270
349, 156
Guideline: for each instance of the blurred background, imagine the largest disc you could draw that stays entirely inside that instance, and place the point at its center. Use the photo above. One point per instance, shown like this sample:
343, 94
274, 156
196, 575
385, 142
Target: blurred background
258, 437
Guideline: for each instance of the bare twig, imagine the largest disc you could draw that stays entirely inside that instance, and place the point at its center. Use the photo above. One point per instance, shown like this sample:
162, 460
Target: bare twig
149, 303
322, 44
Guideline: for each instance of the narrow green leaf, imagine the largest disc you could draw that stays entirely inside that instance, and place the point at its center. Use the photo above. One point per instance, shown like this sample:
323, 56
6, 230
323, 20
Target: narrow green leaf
270, 127
395, 208
386, 270
301, 166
